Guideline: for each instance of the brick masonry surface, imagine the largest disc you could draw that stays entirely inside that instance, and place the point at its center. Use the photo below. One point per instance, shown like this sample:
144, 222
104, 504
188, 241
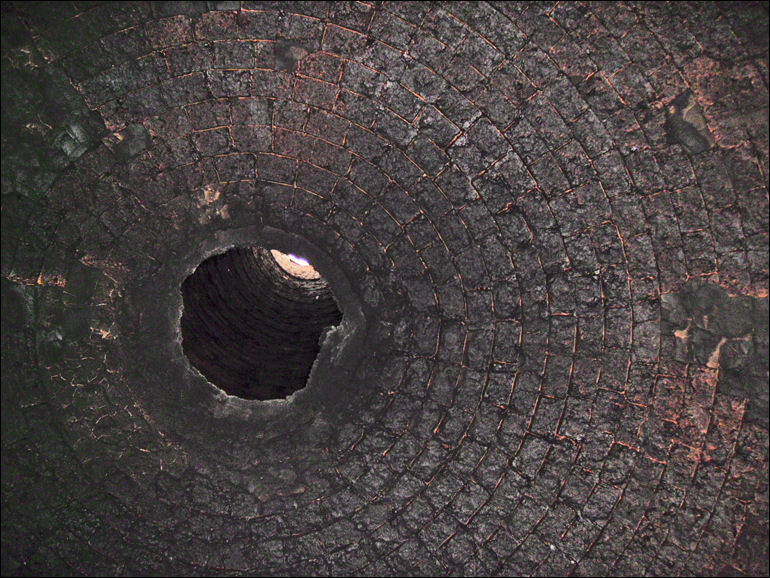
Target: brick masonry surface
545, 225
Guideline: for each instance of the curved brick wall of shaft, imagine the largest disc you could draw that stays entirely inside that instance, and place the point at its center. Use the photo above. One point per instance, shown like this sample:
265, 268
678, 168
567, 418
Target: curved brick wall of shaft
546, 229
252, 329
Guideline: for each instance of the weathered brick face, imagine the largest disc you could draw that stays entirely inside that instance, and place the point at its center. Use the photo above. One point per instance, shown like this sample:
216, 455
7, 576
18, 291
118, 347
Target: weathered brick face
545, 226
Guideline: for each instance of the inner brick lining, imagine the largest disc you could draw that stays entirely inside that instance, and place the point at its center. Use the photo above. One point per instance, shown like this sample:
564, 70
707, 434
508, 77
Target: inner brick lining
251, 328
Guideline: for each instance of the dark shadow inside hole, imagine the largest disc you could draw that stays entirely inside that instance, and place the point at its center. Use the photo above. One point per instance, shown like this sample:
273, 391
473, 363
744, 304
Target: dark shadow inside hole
252, 328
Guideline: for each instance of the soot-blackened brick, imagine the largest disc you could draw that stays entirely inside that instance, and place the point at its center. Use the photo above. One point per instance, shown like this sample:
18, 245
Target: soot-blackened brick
546, 229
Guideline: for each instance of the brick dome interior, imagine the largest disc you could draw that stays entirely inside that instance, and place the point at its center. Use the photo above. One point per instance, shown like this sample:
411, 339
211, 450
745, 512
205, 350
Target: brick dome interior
544, 230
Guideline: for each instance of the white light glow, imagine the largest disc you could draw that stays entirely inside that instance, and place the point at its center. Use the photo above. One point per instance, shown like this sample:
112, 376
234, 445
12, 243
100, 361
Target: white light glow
299, 260
295, 265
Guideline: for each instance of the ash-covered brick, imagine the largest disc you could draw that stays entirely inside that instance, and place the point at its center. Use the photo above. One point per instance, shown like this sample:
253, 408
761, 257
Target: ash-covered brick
545, 226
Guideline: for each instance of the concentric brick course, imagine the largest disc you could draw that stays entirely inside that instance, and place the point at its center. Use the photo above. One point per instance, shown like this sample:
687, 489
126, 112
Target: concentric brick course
546, 228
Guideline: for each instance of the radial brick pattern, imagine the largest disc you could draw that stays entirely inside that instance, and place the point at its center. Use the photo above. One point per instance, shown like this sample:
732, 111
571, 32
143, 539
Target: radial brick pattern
545, 225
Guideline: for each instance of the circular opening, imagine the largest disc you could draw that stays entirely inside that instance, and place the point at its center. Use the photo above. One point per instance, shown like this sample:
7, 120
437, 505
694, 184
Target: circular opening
254, 319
